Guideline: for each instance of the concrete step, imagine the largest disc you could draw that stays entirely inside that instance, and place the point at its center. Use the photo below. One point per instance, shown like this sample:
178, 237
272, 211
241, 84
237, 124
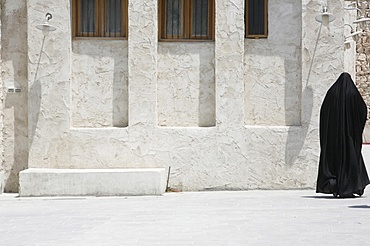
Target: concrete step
92, 182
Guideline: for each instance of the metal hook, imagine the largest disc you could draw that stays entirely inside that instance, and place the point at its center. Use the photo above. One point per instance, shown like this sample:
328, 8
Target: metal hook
48, 16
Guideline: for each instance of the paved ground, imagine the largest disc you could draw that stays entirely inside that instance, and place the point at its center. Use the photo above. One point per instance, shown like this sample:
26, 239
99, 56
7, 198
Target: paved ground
194, 218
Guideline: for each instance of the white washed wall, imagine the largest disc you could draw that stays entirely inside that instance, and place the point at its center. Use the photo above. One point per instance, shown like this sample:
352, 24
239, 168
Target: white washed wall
186, 84
49, 85
320, 69
273, 68
99, 83
1, 115
218, 87
349, 50
14, 76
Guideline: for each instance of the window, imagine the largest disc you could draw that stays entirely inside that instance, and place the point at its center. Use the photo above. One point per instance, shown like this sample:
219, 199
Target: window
256, 18
99, 18
186, 20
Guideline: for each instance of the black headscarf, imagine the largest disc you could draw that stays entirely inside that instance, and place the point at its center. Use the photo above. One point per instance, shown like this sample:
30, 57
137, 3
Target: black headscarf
342, 120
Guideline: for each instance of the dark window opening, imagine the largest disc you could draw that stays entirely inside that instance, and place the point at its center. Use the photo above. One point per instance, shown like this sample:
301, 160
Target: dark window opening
256, 18
99, 18
186, 20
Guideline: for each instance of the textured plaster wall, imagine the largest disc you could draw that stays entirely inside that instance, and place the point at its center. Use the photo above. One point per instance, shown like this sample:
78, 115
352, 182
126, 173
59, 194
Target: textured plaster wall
273, 68
349, 50
14, 76
1, 113
49, 77
282, 153
99, 83
186, 84
363, 73
321, 66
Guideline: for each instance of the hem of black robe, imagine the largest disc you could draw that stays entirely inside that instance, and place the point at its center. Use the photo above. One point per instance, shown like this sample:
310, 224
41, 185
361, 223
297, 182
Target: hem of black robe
358, 192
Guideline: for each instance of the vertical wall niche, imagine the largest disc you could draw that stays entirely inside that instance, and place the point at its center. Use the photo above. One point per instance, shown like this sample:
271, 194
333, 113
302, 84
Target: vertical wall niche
99, 83
186, 84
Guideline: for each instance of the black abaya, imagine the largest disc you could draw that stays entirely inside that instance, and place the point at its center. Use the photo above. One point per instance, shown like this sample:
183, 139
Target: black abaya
342, 171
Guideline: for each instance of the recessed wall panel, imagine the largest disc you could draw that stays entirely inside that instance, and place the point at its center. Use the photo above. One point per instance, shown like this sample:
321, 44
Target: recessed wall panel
186, 84
99, 83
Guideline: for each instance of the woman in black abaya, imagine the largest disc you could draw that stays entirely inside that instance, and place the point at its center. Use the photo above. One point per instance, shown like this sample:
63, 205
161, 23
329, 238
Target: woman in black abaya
343, 114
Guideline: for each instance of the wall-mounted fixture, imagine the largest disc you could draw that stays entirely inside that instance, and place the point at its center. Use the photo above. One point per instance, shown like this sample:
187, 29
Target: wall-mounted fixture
325, 17
347, 43
361, 21
351, 6
46, 27
353, 36
362, 15
362, 8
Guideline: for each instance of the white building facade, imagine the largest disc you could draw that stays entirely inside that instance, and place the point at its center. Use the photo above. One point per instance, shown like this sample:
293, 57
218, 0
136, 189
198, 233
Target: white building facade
227, 114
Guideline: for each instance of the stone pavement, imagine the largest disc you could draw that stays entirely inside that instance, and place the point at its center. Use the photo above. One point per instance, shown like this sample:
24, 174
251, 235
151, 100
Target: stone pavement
294, 217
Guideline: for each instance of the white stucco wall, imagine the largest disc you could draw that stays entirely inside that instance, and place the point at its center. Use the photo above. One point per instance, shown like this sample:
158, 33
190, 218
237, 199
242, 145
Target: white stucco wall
318, 74
49, 83
349, 50
273, 75
186, 84
258, 98
1, 115
14, 76
99, 83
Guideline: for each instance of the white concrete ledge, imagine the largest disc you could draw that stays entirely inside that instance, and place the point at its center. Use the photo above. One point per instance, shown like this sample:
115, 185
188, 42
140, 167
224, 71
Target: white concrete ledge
1, 182
92, 182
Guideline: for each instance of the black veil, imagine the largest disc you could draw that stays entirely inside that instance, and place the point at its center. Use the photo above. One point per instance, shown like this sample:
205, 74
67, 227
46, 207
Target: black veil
342, 120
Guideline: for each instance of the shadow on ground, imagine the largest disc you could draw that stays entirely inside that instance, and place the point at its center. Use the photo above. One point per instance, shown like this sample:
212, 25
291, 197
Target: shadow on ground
359, 206
330, 197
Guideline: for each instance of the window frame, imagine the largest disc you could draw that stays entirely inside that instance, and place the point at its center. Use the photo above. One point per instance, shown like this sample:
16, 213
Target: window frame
256, 36
187, 17
100, 22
